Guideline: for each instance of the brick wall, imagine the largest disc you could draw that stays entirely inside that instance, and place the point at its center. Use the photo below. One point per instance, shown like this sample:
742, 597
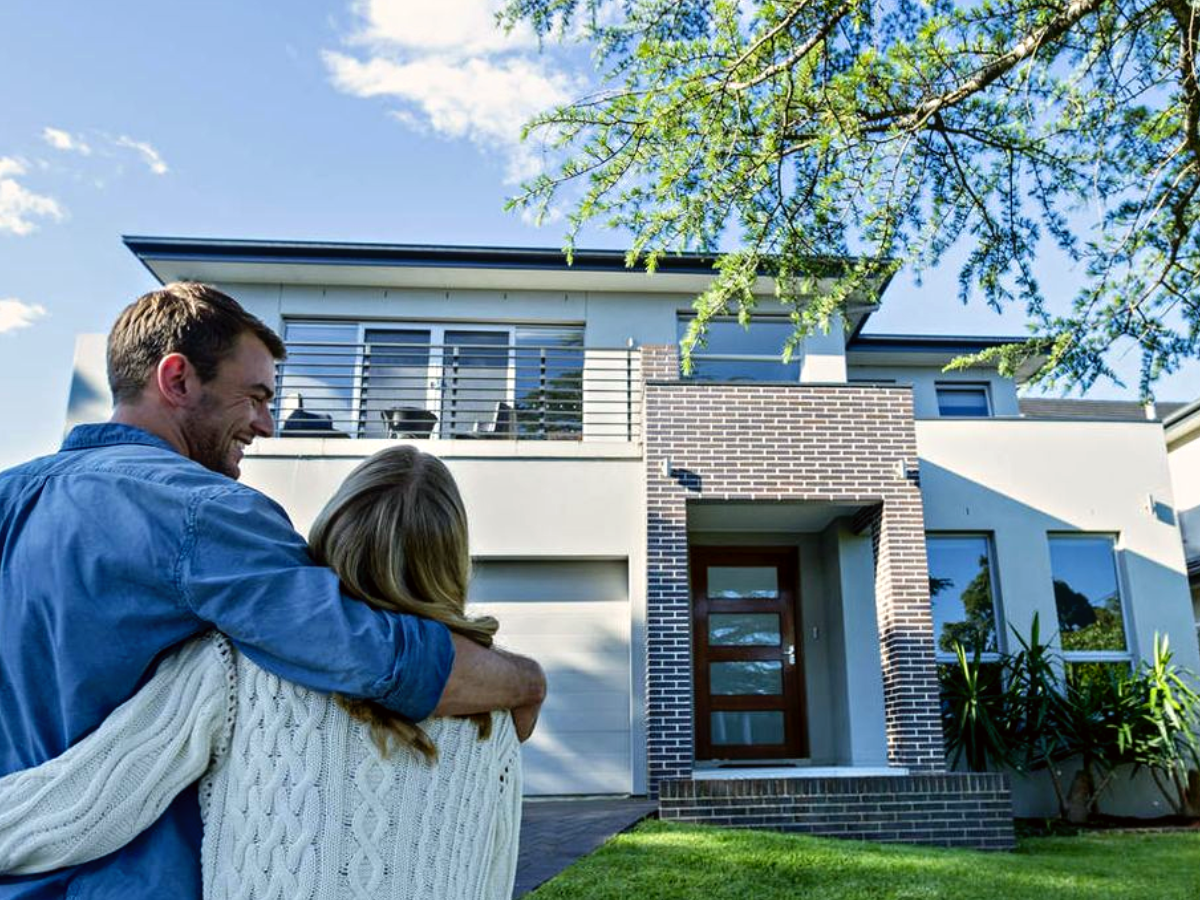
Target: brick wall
840, 444
947, 809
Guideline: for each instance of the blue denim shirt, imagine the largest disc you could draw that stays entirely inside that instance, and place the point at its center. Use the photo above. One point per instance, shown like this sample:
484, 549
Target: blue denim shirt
116, 549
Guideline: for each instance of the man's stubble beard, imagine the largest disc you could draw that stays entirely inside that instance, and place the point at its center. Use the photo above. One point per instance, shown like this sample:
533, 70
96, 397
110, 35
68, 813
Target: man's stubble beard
206, 440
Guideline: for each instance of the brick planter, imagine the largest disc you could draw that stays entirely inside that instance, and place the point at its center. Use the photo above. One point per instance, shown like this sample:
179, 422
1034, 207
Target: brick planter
946, 809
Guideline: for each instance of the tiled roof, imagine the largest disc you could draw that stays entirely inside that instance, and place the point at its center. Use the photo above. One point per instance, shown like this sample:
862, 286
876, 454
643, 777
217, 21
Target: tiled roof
1111, 410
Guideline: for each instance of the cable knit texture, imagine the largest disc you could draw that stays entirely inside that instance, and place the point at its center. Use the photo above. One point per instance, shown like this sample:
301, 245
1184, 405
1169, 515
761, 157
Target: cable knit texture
296, 800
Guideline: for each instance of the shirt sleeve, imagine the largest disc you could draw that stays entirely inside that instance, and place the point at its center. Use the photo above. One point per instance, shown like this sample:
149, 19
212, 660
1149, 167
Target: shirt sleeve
109, 787
245, 570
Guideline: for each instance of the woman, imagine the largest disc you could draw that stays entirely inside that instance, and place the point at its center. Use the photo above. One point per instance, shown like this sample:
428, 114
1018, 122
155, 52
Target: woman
303, 794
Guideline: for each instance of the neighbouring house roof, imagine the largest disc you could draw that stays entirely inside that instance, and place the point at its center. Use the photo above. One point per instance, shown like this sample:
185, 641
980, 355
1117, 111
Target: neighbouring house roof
1106, 410
1182, 424
926, 350
438, 266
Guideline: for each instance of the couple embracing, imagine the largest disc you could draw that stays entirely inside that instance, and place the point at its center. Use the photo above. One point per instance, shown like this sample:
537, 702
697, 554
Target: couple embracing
195, 702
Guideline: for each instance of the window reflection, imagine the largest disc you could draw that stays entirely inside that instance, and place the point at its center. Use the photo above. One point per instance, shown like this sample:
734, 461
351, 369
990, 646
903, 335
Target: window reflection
960, 591
1086, 594
743, 630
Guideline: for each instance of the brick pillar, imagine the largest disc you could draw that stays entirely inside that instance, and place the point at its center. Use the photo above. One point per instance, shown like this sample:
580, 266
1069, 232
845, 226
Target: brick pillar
660, 362
912, 711
670, 745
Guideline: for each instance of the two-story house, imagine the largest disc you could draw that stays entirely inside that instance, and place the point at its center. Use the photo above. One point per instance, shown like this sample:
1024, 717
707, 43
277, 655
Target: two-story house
726, 574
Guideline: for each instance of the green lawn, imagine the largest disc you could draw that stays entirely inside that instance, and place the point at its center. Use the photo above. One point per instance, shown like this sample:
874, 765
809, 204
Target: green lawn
658, 861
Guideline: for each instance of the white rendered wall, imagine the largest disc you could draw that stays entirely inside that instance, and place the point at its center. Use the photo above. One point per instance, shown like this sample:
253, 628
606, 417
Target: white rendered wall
611, 319
1019, 479
924, 381
545, 511
1184, 457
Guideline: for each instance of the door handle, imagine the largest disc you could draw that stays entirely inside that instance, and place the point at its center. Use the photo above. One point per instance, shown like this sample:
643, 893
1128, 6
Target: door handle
790, 653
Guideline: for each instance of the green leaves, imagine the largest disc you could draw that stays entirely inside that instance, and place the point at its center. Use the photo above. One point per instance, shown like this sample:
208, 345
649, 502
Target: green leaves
810, 129
1032, 710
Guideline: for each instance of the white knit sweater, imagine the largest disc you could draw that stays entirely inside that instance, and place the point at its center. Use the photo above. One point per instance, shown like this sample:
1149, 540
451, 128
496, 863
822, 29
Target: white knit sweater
296, 801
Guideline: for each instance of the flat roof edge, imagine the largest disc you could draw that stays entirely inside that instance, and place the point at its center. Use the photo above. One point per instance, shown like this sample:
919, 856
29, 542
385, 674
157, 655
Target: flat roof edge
413, 255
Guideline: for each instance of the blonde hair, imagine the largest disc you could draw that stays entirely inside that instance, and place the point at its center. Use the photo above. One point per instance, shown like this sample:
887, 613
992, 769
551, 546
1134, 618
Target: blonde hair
396, 535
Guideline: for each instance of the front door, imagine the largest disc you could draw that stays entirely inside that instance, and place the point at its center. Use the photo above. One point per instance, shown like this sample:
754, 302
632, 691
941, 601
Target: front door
748, 672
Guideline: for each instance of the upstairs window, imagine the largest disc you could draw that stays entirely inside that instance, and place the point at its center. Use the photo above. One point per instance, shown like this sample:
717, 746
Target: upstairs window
421, 380
734, 353
963, 400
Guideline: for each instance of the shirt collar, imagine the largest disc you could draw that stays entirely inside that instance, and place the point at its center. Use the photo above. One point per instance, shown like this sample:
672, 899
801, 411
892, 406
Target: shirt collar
108, 434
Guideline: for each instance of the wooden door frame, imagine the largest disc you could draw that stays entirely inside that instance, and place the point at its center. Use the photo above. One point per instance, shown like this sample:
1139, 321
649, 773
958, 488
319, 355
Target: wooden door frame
786, 558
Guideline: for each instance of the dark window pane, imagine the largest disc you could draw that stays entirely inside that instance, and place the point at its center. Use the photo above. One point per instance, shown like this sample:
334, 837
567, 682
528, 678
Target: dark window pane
743, 582
960, 591
395, 383
704, 369
971, 400
747, 728
317, 380
743, 630
763, 677
549, 382
1086, 594
763, 338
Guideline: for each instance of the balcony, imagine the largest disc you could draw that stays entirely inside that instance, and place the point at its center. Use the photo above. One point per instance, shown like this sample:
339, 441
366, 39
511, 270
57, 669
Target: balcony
479, 386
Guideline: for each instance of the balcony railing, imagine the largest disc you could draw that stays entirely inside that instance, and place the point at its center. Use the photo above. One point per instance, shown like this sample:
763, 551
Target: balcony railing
485, 391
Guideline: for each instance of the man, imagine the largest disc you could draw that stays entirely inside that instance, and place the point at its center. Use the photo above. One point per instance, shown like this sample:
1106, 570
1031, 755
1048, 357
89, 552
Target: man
136, 536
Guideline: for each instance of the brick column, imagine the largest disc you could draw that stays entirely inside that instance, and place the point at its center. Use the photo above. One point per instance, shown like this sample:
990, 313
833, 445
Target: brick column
669, 705
912, 711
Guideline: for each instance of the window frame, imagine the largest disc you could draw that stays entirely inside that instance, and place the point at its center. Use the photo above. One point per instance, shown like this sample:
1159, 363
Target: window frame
963, 387
944, 657
699, 353
1127, 655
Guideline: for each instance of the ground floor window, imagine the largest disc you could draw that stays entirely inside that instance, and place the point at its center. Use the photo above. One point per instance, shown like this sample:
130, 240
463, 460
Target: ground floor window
962, 593
1087, 599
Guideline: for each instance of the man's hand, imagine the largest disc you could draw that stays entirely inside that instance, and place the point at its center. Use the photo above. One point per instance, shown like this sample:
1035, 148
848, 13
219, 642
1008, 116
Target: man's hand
483, 680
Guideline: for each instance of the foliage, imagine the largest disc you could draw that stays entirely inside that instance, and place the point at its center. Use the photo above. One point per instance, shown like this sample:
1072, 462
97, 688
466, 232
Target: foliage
667, 861
1164, 738
841, 139
1031, 711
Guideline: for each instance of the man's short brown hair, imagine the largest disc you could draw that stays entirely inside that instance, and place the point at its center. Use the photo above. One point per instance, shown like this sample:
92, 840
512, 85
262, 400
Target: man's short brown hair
182, 317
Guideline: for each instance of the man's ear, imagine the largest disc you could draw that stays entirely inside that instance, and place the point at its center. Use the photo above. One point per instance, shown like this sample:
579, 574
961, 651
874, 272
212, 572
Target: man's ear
176, 380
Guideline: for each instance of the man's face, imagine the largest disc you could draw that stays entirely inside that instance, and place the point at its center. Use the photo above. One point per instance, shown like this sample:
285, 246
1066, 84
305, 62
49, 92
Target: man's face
233, 409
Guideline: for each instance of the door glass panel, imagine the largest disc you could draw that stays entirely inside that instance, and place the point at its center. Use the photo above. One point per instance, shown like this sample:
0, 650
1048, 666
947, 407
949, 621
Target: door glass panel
743, 630
475, 376
395, 383
747, 728
756, 677
743, 582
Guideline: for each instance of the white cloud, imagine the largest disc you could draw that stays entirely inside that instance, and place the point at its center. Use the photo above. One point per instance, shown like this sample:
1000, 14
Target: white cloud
64, 140
462, 28
151, 157
19, 206
15, 315
480, 99
454, 72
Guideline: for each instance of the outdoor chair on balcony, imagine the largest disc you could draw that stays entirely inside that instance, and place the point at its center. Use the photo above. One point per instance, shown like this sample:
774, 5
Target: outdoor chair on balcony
503, 423
407, 422
301, 422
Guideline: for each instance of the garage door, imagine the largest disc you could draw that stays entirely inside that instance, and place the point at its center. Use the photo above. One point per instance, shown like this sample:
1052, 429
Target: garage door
573, 618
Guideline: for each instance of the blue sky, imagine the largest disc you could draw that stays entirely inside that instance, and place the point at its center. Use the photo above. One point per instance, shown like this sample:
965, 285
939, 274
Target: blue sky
385, 120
